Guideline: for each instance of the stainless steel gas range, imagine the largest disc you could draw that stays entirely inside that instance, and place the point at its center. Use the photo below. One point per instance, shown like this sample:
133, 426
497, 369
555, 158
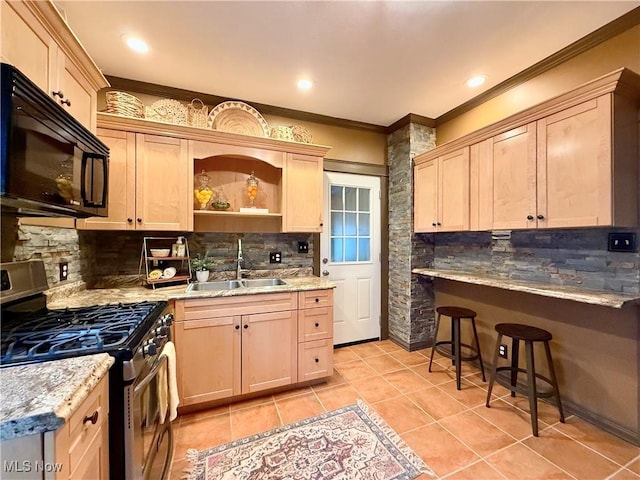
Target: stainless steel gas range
140, 441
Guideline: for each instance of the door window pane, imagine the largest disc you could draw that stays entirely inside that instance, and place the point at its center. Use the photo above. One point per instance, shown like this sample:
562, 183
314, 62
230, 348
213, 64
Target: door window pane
337, 254
350, 198
336, 224
364, 250
350, 224
336, 197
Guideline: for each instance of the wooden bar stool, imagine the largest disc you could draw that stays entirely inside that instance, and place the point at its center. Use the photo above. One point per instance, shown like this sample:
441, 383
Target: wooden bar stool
529, 335
455, 351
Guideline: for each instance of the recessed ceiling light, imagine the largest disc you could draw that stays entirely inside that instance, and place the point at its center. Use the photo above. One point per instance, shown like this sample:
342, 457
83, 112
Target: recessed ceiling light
137, 44
305, 84
475, 81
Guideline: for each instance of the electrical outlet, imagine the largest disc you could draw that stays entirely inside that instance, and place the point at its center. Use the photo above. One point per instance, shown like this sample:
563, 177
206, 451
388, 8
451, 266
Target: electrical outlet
64, 271
275, 257
622, 242
503, 351
303, 247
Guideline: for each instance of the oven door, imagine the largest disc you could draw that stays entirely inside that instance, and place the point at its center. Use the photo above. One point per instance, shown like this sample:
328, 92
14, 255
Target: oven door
152, 440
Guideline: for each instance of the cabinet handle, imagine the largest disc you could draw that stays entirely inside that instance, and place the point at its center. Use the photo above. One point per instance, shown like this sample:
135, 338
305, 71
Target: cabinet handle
317, 360
93, 418
58, 94
237, 327
317, 324
540, 217
529, 217
246, 325
66, 102
139, 220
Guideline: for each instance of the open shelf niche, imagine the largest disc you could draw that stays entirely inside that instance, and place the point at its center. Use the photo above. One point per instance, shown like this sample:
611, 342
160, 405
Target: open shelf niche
228, 175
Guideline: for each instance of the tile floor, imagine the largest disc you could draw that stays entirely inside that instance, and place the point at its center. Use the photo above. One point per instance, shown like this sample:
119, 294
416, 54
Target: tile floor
454, 433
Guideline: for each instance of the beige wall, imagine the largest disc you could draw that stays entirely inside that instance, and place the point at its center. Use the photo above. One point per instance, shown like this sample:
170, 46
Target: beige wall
595, 349
620, 51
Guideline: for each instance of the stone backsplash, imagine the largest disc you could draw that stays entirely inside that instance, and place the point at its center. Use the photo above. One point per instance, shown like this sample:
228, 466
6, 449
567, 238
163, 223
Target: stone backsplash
572, 257
94, 255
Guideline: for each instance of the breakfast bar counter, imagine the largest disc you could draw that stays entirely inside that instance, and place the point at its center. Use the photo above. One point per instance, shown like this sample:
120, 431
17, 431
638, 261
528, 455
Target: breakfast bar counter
602, 298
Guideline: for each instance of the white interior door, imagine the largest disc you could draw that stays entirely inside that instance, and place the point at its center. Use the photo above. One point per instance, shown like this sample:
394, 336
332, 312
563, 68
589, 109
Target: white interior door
350, 254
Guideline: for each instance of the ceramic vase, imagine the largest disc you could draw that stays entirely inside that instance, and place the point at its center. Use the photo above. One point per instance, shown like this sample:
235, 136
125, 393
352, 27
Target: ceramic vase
202, 276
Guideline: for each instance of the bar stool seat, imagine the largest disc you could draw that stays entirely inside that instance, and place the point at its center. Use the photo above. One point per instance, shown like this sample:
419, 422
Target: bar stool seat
519, 332
454, 352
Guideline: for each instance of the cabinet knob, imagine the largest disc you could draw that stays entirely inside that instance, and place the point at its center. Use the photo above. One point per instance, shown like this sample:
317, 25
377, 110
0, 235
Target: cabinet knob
317, 360
92, 418
237, 327
129, 220
66, 102
438, 223
246, 325
540, 217
317, 324
321, 224
139, 220
433, 224
58, 94
317, 300
529, 217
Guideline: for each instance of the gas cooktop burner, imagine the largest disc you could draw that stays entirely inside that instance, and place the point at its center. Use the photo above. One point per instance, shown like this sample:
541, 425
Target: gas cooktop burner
52, 334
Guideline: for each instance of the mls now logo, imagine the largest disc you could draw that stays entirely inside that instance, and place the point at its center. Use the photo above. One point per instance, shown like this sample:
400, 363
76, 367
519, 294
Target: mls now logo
15, 466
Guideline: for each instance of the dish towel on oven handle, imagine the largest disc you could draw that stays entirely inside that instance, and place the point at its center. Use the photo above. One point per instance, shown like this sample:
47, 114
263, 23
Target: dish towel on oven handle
168, 387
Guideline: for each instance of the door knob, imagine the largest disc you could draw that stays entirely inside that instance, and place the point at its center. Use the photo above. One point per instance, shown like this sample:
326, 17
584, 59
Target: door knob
325, 272
325, 260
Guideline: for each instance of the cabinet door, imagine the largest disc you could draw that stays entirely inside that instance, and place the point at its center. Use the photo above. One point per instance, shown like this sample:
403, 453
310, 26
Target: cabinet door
453, 191
425, 196
269, 350
481, 185
163, 188
302, 210
574, 166
208, 359
27, 45
77, 91
514, 178
122, 181
94, 463
315, 360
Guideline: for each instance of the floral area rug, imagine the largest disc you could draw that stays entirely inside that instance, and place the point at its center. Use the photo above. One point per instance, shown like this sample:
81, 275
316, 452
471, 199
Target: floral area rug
351, 443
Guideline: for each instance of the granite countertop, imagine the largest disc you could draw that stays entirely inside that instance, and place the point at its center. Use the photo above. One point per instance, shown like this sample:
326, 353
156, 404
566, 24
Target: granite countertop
41, 397
602, 298
103, 296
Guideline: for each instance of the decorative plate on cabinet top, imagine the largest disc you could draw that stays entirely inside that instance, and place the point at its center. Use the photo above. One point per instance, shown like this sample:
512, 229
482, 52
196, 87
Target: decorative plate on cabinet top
238, 117
168, 111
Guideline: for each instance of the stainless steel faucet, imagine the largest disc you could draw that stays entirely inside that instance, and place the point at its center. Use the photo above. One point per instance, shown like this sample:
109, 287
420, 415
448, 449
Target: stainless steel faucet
240, 272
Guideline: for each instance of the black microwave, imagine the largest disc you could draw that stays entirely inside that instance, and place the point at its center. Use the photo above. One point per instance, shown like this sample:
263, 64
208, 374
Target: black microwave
50, 164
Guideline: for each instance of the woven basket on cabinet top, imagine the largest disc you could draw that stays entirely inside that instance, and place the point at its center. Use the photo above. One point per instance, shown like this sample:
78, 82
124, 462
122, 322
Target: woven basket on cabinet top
121, 103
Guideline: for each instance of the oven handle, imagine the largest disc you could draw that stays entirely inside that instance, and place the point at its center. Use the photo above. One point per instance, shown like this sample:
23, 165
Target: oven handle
154, 371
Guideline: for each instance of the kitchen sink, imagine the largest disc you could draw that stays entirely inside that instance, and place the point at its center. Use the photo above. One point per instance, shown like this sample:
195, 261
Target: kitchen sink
219, 285
263, 282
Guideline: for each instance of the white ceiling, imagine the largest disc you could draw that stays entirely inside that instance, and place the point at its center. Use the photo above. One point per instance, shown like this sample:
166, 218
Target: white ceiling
372, 61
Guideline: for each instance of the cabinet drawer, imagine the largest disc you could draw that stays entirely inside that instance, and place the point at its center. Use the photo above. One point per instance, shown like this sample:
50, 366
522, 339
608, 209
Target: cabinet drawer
82, 432
315, 360
316, 298
194, 309
315, 324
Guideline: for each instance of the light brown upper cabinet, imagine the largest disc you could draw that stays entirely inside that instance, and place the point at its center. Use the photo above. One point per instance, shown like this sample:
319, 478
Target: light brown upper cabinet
569, 162
441, 192
37, 41
302, 191
149, 183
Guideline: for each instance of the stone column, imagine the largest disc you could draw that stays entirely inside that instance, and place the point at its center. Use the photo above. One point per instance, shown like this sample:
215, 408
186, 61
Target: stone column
410, 298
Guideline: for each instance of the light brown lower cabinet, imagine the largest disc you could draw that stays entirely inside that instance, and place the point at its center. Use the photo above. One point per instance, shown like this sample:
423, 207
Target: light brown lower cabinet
231, 346
79, 450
